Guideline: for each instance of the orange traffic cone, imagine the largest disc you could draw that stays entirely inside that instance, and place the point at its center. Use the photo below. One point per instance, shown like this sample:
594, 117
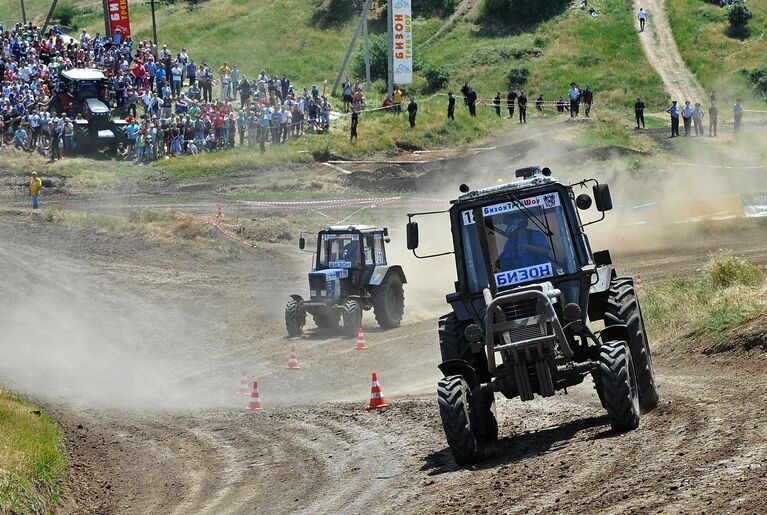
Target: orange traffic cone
638, 282
293, 359
376, 397
243, 384
361, 345
255, 398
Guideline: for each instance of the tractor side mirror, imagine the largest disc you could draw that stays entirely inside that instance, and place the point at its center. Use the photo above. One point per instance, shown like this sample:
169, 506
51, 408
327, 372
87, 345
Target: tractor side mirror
386, 231
301, 243
412, 235
602, 197
583, 202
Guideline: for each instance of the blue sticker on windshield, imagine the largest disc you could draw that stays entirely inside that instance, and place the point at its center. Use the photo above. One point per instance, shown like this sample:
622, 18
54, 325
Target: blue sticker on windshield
340, 264
521, 275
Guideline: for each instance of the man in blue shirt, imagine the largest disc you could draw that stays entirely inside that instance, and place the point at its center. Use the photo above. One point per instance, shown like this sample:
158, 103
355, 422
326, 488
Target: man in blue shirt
737, 110
524, 247
575, 96
687, 118
674, 112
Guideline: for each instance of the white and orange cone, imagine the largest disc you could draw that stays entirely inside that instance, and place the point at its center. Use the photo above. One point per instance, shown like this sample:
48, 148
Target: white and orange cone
361, 345
293, 359
255, 398
638, 282
377, 400
244, 390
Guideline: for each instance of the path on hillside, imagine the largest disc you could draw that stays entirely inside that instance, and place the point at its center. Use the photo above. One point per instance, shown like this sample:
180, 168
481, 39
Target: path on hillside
461, 10
662, 53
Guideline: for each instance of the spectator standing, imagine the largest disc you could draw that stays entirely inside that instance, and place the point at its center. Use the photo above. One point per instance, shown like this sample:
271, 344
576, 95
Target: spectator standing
575, 94
737, 111
20, 138
687, 118
397, 99
588, 98
497, 103
697, 119
713, 113
355, 122
465, 92
191, 72
522, 105
639, 112
472, 102
539, 104
412, 110
642, 17
450, 106
511, 98
674, 112
34, 190
224, 71
348, 95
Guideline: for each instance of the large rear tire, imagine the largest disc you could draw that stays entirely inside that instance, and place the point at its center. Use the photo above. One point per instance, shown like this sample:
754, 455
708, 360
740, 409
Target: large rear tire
389, 302
295, 317
622, 307
455, 410
352, 316
619, 386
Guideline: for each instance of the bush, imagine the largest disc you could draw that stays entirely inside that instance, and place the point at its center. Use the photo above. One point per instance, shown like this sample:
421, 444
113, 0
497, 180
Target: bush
331, 13
379, 59
725, 270
739, 15
66, 14
520, 12
437, 77
758, 77
432, 8
518, 76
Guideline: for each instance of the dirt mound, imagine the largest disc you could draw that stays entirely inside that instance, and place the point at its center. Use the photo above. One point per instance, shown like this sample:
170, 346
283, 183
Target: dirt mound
751, 336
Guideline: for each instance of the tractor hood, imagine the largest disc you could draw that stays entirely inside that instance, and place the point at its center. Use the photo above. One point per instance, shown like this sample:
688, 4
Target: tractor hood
331, 273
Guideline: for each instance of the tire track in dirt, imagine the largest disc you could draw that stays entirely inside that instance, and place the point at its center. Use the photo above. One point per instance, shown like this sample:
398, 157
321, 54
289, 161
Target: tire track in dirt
662, 53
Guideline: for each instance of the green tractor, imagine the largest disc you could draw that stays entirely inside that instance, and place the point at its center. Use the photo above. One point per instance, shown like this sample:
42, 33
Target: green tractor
350, 275
529, 289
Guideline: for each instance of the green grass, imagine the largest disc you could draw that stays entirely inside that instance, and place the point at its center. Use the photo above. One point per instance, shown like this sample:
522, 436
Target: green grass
32, 463
700, 30
730, 292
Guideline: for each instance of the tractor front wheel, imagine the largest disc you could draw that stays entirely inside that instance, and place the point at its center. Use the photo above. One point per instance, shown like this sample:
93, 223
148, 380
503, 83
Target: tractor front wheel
295, 317
457, 421
389, 302
352, 316
619, 385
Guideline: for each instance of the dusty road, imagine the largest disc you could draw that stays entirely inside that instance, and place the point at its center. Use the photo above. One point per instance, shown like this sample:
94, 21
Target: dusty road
137, 348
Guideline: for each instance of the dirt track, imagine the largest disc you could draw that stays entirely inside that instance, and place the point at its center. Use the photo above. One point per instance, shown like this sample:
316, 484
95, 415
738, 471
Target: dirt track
140, 346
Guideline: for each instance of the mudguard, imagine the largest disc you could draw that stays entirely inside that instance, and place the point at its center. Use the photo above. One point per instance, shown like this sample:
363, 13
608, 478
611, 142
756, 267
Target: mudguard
615, 332
459, 367
380, 272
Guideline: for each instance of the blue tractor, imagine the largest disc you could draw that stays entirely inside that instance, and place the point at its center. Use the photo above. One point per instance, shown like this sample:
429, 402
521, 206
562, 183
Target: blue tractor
350, 275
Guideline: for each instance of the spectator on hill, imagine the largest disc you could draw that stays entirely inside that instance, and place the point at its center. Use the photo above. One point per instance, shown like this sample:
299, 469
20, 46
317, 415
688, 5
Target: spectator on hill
687, 118
642, 17
587, 97
697, 119
510, 101
472, 102
639, 112
397, 99
355, 123
451, 106
539, 104
522, 105
737, 110
713, 113
465, 92
575, 96
412, 110
497, 103
674, 112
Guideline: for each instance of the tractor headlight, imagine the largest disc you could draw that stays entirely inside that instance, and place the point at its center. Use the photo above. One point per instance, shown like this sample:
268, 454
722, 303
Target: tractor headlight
473, 333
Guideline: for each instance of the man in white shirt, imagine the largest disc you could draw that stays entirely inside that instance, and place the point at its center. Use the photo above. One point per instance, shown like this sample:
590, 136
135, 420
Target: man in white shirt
642, 17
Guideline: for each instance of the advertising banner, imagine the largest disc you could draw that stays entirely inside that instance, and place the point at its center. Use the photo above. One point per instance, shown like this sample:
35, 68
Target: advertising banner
118, 18
754, 204
402, 41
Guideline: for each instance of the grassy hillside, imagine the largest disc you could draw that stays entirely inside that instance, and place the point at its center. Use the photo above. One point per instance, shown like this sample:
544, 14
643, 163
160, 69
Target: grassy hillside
281, 37
700, 30
31, 460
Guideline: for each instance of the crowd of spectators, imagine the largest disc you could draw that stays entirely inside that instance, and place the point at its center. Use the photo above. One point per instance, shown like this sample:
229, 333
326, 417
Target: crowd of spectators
171, 103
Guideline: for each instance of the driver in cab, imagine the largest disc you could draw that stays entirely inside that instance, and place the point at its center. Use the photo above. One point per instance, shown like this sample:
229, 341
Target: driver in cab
524, 246
350, 252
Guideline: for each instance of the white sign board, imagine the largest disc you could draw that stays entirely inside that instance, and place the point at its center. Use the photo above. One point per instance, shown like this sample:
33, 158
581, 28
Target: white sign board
402, 41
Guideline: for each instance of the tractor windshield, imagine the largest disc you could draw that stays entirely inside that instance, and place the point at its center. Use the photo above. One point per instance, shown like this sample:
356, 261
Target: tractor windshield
525, 244
339, 251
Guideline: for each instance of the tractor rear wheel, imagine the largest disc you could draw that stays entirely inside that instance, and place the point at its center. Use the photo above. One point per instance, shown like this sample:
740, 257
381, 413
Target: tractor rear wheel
326, 319
619, 385
457, 421
295, 317
389, 302
622, 307
352, 316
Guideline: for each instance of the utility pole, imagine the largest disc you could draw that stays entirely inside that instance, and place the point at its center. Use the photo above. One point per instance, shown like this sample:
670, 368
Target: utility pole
362, 23
154, 26
106, 18
367, 53
23, 13
50, 14
390, 49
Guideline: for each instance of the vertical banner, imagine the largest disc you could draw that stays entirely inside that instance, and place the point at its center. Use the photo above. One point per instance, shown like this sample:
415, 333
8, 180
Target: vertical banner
119, 18
402, 41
